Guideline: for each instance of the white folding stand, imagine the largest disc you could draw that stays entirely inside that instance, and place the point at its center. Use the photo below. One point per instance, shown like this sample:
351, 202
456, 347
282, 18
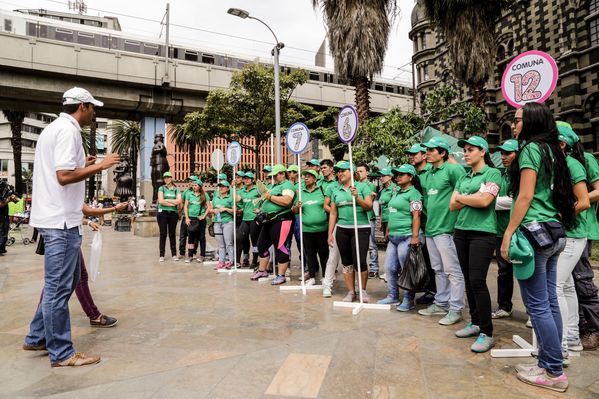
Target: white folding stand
303, 287
525, 349
359, 306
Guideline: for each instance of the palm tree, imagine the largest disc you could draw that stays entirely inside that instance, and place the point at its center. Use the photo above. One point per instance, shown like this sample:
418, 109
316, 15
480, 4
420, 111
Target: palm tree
126, 139
16, 125
192, 135
469, 28
183, 141
358, 33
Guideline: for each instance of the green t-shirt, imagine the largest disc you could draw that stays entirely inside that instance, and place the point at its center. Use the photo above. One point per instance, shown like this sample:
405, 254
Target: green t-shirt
422, 175
168, 194
325, 184
283, 188
372, 190
592, 168
249, 202
342, 198
195, 207
385, 196
401, 206
486, 180
541, 208
314, 217
223, 202
331, 188
438, 187
577, 174
503, 217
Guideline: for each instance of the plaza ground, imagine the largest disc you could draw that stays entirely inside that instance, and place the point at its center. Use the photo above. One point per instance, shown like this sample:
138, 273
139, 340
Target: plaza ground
186, 331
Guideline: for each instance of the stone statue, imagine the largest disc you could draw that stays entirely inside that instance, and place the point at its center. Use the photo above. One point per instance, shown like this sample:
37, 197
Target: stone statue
159, 164
123, 179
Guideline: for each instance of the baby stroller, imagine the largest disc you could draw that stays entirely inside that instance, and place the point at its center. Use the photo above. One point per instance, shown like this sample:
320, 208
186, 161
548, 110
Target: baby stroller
17, 228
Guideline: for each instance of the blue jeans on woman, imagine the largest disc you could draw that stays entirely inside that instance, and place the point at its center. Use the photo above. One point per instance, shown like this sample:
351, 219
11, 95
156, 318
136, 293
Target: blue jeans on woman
398, 249
539, 294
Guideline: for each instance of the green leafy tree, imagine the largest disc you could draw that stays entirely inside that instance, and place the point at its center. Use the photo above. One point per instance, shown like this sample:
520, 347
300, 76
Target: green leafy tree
28, 181
246, 108
192, 135
126, 139
323, 127
358, 33
16, 126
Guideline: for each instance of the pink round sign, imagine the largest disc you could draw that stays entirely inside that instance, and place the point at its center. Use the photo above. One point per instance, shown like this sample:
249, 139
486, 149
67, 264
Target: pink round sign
530, 77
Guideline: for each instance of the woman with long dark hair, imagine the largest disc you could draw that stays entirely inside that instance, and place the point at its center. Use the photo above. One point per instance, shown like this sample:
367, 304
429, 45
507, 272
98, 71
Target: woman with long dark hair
196, 209
543, 202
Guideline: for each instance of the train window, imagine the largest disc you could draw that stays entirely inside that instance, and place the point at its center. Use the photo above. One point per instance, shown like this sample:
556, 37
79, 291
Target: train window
191, 55
86, 38
114, 42
207, 58
8, 25
131, 46
314, 76
43, 31
104, 40
63, 34
31, 29
389, 88
241, 64
92, 23
150, 49
175, 52
378, 86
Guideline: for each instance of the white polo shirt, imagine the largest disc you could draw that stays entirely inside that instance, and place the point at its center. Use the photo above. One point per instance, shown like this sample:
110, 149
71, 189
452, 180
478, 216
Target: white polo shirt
59, 147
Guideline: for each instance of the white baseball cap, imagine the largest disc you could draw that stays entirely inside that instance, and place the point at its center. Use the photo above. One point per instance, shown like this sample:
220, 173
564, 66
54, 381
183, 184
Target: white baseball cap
77, 95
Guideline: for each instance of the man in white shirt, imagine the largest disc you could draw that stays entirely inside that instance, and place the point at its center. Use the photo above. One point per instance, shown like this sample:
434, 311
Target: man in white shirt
58, 196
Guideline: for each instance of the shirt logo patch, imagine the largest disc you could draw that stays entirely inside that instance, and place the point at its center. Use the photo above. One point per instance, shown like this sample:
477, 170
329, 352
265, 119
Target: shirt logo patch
432, 191
415, 206
490, 187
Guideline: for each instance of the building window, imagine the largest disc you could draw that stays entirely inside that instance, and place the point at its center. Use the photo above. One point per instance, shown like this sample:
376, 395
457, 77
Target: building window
8, 25
594, 31
500, 53
593, 6
4, 167
426, 77
506, 132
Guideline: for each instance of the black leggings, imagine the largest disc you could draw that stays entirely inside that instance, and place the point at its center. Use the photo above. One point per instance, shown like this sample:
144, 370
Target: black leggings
198, 236
167, 223
316, 246
276, 233
347, 246
475, 251
244, 235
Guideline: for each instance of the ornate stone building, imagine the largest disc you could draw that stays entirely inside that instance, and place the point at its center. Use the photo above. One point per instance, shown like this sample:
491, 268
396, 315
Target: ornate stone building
568, 30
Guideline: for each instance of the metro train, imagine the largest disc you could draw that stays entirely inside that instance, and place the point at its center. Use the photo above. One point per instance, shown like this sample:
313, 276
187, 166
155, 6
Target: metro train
90, 33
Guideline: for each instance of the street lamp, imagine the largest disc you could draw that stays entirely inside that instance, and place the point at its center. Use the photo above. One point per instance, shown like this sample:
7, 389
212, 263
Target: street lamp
275, 52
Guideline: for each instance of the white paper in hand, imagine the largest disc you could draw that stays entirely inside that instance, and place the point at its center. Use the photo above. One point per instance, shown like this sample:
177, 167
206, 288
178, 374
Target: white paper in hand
96, 252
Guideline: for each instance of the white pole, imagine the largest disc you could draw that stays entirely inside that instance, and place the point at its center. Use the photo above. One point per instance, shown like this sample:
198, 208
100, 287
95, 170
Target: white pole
353, 199
277, 104
234, 218
302, 260
272, 156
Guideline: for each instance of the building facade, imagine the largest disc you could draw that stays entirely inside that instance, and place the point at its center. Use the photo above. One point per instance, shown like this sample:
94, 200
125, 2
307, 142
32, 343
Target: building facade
567, 30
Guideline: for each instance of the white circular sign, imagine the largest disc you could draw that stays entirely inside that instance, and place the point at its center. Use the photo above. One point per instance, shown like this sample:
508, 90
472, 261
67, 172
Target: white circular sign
234, 153
530, 77
218, 159
347, 124
297, 137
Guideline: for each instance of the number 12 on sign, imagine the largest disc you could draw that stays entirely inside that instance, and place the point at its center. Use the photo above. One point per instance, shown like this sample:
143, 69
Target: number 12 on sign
530, 79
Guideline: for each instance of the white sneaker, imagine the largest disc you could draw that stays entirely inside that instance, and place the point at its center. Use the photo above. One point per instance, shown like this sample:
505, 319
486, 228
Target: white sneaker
310, 281
528, 323
500, 314
188, 260
200, 259
383, 277
161, 259
176, 258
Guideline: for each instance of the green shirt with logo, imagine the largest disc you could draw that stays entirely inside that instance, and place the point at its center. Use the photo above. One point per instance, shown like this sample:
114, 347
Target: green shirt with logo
385, 196
486, 180
592, 168
249, 201
314, 217
325, 184
168, 194
283, 188
577, 174
401, 206
541, 207
438, 187
372, 190
503, 217
195, 208
342, 198
223, 202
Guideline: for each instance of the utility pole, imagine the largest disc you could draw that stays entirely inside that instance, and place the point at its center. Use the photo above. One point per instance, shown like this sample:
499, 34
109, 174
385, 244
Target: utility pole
165, 79
78, 6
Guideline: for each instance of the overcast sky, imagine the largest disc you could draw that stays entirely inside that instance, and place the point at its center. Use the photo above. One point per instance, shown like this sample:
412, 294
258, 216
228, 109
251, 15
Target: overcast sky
295, 23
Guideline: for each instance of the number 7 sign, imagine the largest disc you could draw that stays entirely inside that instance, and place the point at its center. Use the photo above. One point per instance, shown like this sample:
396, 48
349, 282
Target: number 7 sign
531, 76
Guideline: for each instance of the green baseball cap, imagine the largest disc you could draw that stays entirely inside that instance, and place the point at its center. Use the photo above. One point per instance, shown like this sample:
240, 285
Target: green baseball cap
405, 168
250, 175
313, 162
476, 141
293, 168
521, 256
415, 149
343, 165
267, 168
437, 142
567, 134
224, 183
197, 181
167, 174
386, 172
240, 173
278, 168
510, 145
191, 177
310, 172
222, 176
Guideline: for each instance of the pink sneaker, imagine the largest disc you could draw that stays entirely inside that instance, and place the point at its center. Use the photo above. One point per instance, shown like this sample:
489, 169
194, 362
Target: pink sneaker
220, 265
540, 378
228, 265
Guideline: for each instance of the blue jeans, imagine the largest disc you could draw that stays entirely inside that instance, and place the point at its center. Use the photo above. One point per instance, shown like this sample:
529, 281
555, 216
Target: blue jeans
398, 250
374, 250
448, 273
539, 294
52, 324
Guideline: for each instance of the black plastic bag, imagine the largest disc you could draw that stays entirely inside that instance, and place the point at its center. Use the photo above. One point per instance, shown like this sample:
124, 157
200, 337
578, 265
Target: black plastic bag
414, 276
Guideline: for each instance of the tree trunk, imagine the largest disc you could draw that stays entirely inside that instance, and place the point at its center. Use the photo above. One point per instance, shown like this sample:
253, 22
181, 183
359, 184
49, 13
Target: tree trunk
133, 158
479, 94
257, 145
91, 188
16, 125
191, 147
362, 97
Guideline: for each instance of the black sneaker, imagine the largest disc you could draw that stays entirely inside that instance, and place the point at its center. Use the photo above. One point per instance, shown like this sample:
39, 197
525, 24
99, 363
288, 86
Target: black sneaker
245, 264
104, 322
426, 299
373, 275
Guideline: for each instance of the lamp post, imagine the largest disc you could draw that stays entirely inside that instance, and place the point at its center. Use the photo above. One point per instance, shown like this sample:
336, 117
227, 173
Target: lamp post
275, 52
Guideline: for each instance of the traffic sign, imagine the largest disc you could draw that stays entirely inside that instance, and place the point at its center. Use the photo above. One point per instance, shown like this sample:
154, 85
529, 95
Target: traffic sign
234, 153
218, 159
347, 124
297, 137
530, 77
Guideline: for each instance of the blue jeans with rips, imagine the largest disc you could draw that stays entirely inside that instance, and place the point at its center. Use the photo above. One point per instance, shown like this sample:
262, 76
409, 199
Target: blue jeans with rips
52, 324
373, 249
398, 250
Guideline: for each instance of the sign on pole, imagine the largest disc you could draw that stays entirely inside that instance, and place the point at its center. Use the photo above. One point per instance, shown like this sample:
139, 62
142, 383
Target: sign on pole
298, 137
530, 77
347, 124
234, 153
